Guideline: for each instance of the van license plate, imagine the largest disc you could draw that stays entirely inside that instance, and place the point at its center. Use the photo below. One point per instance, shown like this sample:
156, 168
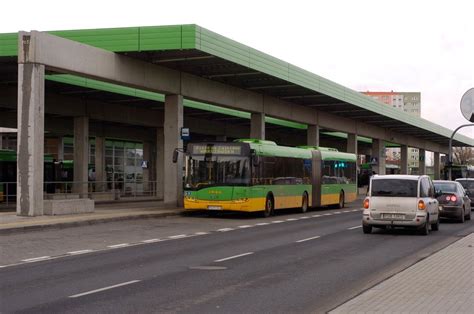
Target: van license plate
393, 216
214, 207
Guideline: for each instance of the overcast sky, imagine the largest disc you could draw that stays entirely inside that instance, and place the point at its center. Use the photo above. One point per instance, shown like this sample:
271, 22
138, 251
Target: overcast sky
422, 45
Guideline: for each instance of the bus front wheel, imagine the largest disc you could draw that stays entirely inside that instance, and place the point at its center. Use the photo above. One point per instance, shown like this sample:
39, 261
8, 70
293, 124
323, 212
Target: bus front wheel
268, 211
341, 200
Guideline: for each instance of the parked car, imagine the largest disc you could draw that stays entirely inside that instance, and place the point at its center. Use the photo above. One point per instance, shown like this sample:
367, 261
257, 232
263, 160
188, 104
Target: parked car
468, 185
401, 201
454, 202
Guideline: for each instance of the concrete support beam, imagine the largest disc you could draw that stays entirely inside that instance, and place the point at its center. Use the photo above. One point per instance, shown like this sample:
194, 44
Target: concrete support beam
173, 188
100, 163
257, 126
437, 166
352, 144
160, 162
404, 159
30, 140
81, 156
378, 151
422, 161
312, 135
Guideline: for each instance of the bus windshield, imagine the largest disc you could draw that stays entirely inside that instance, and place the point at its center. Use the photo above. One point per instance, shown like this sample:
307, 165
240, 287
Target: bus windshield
215, 170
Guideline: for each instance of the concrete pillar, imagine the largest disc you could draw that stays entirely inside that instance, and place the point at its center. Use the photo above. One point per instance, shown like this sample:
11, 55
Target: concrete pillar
1, 141
257, 126
30, 165
404, 159
173, 189
422, 161
312, 135
81, 155
378, 151
352, 143
160, 163
100, 164
436, 166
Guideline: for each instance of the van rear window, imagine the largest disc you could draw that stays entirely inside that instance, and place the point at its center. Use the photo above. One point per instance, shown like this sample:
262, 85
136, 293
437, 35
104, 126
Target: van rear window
394, 187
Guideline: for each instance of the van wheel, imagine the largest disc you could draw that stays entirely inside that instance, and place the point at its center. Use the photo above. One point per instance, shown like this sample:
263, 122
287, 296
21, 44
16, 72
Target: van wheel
341, 200
435, 226
426, 227
304, 203
367, 229
269, 206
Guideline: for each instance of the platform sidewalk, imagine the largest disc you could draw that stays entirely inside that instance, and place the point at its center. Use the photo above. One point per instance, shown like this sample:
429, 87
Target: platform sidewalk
10, 222
441, 283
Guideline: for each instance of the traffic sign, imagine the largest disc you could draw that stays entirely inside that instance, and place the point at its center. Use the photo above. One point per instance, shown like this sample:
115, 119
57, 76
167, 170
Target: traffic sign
467, 105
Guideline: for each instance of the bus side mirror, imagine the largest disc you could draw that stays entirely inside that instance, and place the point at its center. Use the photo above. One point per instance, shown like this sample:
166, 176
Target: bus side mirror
175, 156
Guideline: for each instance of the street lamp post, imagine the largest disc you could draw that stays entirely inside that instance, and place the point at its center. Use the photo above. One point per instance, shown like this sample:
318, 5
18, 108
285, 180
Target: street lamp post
450, 158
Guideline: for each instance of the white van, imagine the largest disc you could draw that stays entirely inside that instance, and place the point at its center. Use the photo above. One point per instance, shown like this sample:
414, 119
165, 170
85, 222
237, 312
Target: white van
401, 201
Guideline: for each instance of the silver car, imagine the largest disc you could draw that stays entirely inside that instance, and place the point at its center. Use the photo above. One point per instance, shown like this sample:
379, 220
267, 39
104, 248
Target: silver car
401, 201
468, 185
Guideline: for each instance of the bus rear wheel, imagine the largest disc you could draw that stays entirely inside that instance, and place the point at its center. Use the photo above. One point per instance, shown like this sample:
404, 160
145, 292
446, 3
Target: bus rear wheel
268, 211
304, 203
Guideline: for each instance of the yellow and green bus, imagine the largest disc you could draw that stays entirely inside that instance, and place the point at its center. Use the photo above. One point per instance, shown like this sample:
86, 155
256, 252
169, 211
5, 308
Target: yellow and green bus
252, 175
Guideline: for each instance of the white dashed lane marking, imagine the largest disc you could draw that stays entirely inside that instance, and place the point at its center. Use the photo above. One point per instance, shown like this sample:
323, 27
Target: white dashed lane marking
35, 259
118, 245
245, 226
225, 229
277, 221
201, 233
103, 289
179, 236
356, 227
308, 239
79, 252
151, 240
291, 219
232, 257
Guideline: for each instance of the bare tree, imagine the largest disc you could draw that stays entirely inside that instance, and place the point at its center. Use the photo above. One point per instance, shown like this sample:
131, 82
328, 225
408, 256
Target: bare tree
463, 155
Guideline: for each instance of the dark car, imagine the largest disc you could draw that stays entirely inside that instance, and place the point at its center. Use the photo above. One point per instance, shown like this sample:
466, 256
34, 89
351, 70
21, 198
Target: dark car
453, 200
468, 185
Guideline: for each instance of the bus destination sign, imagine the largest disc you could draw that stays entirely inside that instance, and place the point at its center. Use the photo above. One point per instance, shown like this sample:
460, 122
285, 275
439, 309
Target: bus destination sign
217, 149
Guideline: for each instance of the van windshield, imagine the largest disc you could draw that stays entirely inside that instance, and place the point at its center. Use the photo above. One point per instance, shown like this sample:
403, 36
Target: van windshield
394, 187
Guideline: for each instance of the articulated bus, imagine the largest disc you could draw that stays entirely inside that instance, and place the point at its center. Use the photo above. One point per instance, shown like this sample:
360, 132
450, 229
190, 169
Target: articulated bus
251, 175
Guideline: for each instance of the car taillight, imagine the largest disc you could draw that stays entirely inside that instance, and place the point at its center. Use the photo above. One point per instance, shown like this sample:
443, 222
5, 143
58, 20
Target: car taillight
451, 198
421, 205
366, 203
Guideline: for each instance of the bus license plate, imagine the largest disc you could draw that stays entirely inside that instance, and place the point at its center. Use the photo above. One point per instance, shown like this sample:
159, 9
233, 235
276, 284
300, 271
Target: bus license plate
393, 216
210, 207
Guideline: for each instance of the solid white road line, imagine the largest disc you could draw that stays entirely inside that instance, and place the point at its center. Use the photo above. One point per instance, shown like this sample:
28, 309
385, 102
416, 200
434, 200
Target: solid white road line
35, 259
308, 239
105, 288
118, 245
232, 257
79, 252
356, 227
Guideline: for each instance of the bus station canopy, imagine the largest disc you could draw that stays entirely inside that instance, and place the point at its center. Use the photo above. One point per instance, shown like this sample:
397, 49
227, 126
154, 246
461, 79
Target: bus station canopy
203, 53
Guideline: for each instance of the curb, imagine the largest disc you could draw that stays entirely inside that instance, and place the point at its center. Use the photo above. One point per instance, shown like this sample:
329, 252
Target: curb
70, 224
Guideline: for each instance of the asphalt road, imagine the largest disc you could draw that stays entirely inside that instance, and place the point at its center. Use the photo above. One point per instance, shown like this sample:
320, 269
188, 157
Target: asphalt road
287, 263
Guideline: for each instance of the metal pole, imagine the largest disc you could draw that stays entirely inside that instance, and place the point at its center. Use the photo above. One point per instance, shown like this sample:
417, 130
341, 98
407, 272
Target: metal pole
450, 159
